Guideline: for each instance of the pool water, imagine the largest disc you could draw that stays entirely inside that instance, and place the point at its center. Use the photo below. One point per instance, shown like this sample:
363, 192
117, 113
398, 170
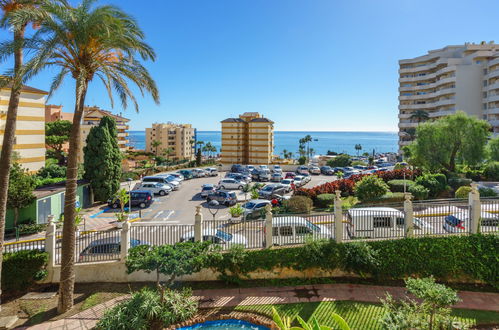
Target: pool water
231, 324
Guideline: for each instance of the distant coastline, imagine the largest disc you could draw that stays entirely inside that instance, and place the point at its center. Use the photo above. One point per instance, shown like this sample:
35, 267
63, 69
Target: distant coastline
338, 141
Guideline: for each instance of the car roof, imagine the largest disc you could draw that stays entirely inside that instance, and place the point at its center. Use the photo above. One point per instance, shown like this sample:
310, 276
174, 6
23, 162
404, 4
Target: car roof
256, 201
283, 221
373, 209
211, 185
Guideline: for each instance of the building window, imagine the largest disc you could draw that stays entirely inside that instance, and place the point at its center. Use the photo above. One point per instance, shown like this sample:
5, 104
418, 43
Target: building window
485, 83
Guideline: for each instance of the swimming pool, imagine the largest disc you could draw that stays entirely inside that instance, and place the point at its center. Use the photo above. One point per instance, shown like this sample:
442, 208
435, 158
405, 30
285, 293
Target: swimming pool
231, 324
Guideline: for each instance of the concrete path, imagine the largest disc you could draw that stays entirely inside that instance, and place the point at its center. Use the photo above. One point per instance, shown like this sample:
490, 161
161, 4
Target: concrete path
219, 298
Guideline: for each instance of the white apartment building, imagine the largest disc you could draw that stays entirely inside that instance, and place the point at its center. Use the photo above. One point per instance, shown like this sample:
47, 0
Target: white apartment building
463, 77
178, 139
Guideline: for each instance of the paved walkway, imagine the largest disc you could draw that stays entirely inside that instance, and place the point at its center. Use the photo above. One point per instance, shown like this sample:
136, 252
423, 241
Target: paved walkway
279, 295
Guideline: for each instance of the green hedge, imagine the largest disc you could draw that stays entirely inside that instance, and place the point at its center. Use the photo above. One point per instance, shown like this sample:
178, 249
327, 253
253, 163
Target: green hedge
21, 269
324, 200
398, 185
446, 258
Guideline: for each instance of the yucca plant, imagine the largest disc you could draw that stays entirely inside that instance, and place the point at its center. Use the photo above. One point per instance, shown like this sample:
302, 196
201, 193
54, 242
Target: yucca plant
284, 322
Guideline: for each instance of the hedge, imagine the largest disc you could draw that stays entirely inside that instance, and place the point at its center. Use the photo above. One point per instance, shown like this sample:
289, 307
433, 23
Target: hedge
21, 269
472, 257
324, 200
398, 185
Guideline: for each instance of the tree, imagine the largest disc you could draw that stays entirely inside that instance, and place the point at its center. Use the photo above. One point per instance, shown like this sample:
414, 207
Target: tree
341, 160
102, 159
493, 149
167, 152
199, 157
86, 42
123, 197
443, 143
56, 135
358, 147
370, 187
21, 186
155, 144
420, 115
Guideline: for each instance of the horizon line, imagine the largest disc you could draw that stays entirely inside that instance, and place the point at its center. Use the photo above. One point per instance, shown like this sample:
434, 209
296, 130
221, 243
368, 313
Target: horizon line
198, 130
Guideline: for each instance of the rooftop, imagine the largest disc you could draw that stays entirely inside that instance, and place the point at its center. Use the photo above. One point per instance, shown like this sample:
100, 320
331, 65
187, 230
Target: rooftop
27, 89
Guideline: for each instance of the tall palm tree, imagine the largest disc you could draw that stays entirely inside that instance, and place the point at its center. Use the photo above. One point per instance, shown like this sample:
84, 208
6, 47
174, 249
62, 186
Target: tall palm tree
87, 42
155, 144
358, 147
306, 140
420, 115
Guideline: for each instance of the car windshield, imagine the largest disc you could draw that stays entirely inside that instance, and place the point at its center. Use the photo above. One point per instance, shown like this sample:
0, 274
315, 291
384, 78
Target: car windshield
286, 181
135, 242
207, 188
313, 227
268, 188
223, 235
452, 220
249, 205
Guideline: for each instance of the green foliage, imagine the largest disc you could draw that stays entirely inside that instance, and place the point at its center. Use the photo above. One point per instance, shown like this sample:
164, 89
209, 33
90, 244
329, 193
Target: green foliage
123, 197
493, 149
284, 322
491, 171
56, 135
324, 200
472, 257
21, 269
398, 185
341, 160
370, 187
254, 192
182, 258
30, 228
349, 202
457, 182
52, 171
236, 211
302, 160
435, 183
462, 192
20, 190
199, 157
358, 162
400, 166
487, 192
442, 143
147, 309
419, 192
102, 159
299, 204
47, 182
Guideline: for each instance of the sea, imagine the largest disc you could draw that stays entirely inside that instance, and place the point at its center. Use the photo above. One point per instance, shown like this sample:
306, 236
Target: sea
341, 142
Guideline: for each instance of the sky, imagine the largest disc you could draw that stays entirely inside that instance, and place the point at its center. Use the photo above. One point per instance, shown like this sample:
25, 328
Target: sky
309, 65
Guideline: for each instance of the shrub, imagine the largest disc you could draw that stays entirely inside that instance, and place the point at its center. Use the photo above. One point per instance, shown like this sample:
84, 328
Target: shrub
419, 192
487, 192
30, 228
455, 183
146, 309
463, 192
52, 171
349, 202
324, 200
435, 183
370, 187
491, 171
398, 185
359, 258
341, 160
299, 204
21, 269
236, 211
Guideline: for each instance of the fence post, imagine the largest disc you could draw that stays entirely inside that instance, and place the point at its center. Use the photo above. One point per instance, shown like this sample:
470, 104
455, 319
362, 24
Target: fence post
408, 215
125, 240
476, 209
268, 226
338, 218
50, 238
198, 224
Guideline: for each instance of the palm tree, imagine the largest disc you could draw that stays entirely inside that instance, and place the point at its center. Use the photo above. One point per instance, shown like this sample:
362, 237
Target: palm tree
420, 115
167, 152
87, 42
358, 147
155, 144
306, 140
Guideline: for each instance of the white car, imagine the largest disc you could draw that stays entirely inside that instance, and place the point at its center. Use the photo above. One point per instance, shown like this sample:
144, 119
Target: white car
211, 171
217, 236
172, 180
263, 167
287, 184
298, 181
229, 183
157, 188
302, 169
198, 173
295, 230
277, 169
207, 189
179, 177
314, 170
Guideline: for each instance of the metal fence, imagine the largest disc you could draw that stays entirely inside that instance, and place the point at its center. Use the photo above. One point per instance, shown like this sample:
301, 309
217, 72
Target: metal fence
226, 233
290, 229
374, 223
441, 217
489, 217
35, 244
159, 234
92, 246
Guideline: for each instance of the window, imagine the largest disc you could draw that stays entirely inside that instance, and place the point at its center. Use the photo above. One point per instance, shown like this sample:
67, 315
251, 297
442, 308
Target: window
484, 95
105, 248
485, 71
485, 83
286, 231
400, 221
382, 222
275, 231
301, 230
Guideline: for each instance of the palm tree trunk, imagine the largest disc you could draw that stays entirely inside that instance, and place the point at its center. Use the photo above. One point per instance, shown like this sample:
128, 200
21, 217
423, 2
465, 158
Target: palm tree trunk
8, 140
66, 286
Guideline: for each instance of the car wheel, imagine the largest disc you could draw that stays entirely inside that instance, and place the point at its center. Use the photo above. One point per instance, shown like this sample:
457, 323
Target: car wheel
114, 206
142, 205
162, 193
222, 187
240, 187
208, 199
227, 204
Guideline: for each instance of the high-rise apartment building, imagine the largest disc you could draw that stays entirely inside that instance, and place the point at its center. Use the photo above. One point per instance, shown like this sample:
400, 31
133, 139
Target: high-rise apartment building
248, 139
463, 77
92, 117
29, 142
176, 141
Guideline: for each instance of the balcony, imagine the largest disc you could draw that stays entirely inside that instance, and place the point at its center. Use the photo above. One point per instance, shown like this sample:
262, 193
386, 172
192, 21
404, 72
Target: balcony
494, 85
445, 102
407, 124
494, 122
492, 111
441, 113
493, 98
494, 62
416, 97
405, 115
493, 74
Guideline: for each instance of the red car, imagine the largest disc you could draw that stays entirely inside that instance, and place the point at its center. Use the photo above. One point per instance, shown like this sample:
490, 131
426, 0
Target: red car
290, 175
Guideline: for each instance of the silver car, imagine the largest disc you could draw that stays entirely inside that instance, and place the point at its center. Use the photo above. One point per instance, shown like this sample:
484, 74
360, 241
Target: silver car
218, 236
106, 249
156, 188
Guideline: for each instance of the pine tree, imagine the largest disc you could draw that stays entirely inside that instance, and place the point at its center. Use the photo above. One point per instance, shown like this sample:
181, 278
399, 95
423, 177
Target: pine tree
102, 159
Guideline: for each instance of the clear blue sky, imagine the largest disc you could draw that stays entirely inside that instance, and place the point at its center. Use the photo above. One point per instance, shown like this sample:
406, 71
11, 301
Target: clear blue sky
318, 65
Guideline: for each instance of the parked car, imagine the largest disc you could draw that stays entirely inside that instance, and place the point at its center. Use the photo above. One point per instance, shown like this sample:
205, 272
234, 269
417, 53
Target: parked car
218, 236
253, 209
172, 180
327, 170
295, 230
157, 188
238, 168
263, 167
187, 174
277, 169
276, 177
261, 175
105, 248
140, 198
290, 175
306, 179
239, 177
158, 179
288, 184
211, 171
298, 181
179, 177
229, 183
250, 167
302, 169
207, 189
224, 197
460, 222
271, 190
198, 173
314, 170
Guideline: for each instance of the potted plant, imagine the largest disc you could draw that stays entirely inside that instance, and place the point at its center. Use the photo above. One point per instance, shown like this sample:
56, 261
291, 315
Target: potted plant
123, 197
236, 211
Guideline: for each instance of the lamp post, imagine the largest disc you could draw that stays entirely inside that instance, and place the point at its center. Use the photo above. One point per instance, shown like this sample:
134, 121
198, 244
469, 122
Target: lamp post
215, 205
129, 197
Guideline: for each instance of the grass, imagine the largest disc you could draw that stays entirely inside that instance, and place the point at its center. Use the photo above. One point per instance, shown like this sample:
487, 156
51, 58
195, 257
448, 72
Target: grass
93, 300
358, 315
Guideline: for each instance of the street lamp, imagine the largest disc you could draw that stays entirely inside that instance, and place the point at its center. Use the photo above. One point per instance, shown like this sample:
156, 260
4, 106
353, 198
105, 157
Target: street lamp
213, 204
129, 197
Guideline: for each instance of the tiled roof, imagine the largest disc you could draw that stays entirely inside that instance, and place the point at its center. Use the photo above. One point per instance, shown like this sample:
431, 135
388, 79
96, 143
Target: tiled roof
232, 120
261, 120
28, 89
89, 110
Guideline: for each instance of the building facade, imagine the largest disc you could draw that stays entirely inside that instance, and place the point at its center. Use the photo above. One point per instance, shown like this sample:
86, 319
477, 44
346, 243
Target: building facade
463, 77
248, 139
92, 117
174, 141
29, 142
55, 112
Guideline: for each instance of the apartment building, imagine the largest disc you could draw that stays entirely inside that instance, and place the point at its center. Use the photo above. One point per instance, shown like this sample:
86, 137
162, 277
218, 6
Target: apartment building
55, 112
248, 139
178, 139
463, 77
30, 127
92, 117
